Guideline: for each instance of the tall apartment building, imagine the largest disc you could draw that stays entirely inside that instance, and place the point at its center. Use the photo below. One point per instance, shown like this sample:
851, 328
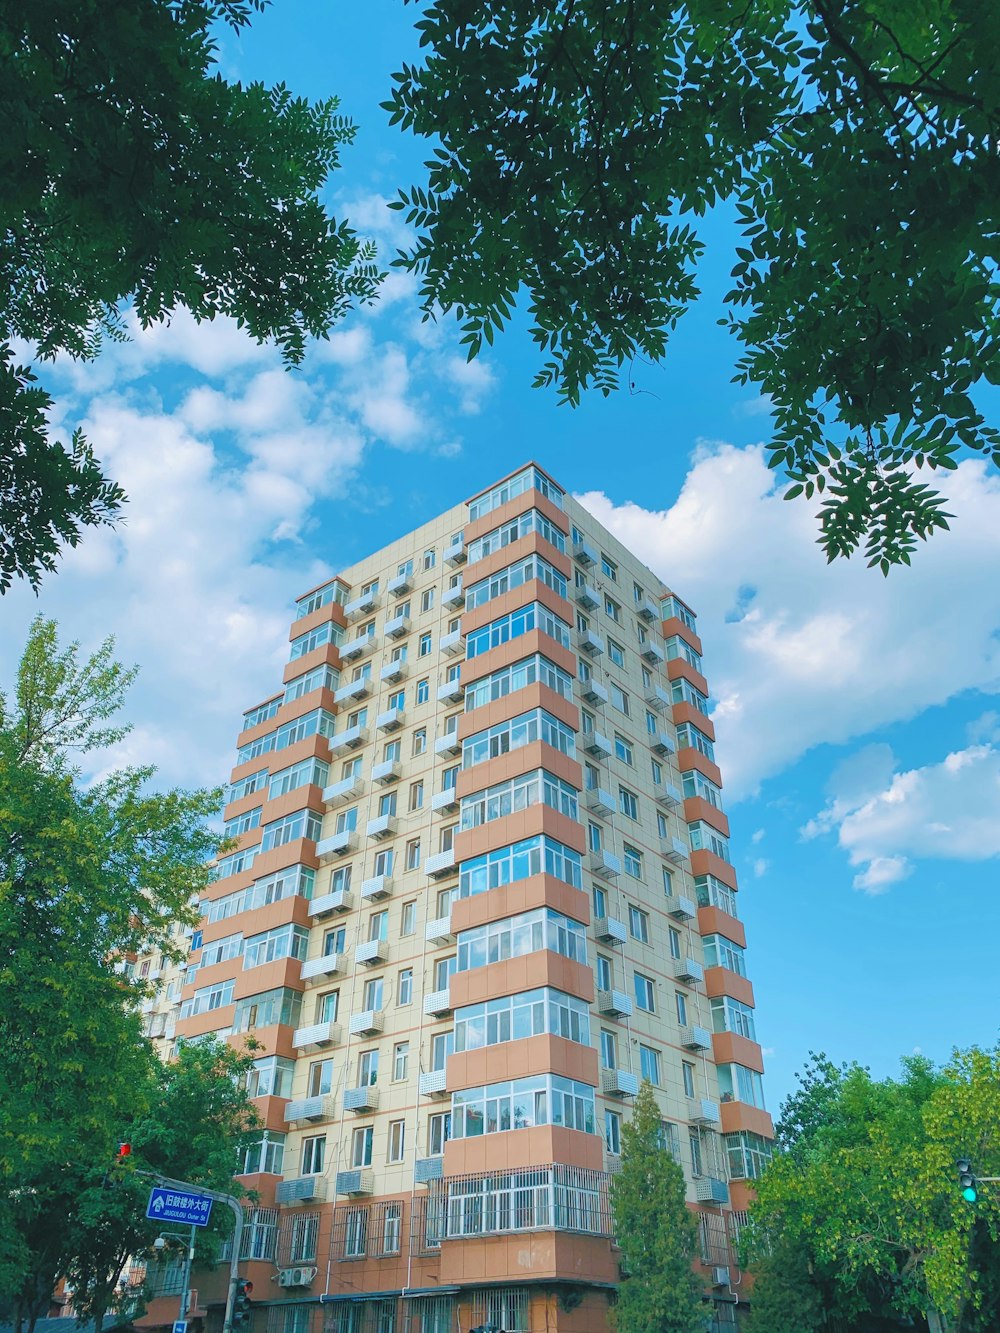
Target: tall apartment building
483, 888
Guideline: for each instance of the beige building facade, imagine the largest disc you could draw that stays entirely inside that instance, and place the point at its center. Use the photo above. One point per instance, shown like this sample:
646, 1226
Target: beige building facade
483, 888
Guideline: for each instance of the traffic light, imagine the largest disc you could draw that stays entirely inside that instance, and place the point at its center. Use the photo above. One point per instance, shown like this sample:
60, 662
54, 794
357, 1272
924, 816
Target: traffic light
124, 1150
122, 1153
242, 1305
967, 1180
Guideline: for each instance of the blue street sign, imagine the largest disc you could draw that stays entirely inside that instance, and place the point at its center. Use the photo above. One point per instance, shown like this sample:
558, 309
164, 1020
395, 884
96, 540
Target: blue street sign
180, 1326
170, 1205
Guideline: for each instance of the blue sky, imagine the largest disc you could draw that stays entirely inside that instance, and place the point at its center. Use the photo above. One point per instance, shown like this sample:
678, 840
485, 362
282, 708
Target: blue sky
859, 719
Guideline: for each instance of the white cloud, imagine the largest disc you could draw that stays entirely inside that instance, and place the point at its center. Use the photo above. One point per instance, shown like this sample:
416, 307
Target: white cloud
798, 652
757, 836
760, 867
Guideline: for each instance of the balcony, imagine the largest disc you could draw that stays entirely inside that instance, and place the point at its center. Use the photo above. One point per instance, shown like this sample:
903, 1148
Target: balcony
379, 886
653, 654
601, 802
658, 699
360, 1100
315, 969
454, 597
592, 693
668, 796
619, 1083
709, 1190
689, 971
400, 584
361, 606
609, 930
390, 720
348, 739
439, 930
444, 801
614, 1003
681, 908
451, 692
340, 793
309, 1108
337, 844
584, 554
366, 1023
427, 1169
355, 1183
397, 627
434, 1084
354, 690
661, 743
359, 647
437, 1004
339, 900
452, 644
441, 863
382, 826
447, 744
695, 1038
371, 952
454, 552
703, 1111
590, 642
307, 1189
315, 1036
648, 611
384, 773
586, 596
598, 745
604, 864
674, 850
393, 671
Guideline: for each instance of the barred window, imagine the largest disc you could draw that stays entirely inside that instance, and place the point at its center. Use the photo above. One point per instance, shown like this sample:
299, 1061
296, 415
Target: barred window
505, 1307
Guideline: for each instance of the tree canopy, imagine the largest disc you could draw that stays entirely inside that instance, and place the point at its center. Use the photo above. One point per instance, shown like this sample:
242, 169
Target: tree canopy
135, 173
860, 1218
577, 144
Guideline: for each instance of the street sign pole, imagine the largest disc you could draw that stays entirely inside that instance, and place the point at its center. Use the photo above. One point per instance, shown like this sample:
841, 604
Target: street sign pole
186, 1285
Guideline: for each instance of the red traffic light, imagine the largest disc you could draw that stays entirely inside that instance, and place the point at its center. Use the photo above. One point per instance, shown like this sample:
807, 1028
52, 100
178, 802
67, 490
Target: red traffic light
247, 1288
124, 1150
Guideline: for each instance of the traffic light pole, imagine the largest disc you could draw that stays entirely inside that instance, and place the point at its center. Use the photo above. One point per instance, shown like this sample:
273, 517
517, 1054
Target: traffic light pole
234, 1206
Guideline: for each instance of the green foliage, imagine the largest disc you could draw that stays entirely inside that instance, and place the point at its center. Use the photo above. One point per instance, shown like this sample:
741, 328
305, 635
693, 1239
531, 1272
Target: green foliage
655, 1231
87, 874
862, 1211
581, 140
135, 173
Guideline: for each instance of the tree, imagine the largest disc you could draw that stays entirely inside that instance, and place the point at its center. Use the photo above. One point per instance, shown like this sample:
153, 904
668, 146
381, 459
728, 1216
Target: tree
577, 144
655, 1231
861, 1209
87, 874
135, 173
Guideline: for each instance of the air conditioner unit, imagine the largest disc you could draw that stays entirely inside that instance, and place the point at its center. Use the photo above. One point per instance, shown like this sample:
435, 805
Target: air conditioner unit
295, 1277
720, 1277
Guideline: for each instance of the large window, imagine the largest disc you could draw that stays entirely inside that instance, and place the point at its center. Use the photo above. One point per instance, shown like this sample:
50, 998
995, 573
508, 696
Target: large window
281, 1006
525, 729
534, 856
309, 724
544, 1099
739, 1084
316, 638
507, 798
536, 669
323, 677
255, 716
721, 952
688, 735
526, 933
713, 893
281, 942
208, 998
645, 993
528, 1014
306, 773
514, 530
704, 838
301, 824
522, 621
529, 478
729, 1015
330, 592
532, 567
748, 1154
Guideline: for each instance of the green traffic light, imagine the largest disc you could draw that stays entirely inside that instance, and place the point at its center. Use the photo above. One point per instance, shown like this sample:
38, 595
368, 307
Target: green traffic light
970, 1194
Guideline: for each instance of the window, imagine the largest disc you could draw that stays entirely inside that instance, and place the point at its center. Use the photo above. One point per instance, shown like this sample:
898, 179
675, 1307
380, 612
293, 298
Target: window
638, 595
419, 741
729, 1015
429, 558
522, 526
644, 993
367, 1071
649, 1064
721, 952
668, 879
623, 750
373, 992
408, 924
656, 769
444, 970
739, 1084
423, 690
378, 926
271, 945
526, 1014
599, 897
528, 569
612, 609
347, 820
533, 670
619, 699
674, 938
694, 1142
608, 568
404, 986
416, 801
712, 892
387, 803
334, 941
529, 478
670, 1139
617, 654
397, 1140
320, 1078
633, 861
613, 1131
400, 1060
543, 1099
534, 616
405, 569
605, 973
424, 650
449, 778
313, 1155
413, 854
399, 653
525, 729
305, 1234
427, 599
516, 794
628, 803
609, 1050
442, 1045
748, 1154
361, 1146
327, 1006
391, 752
638, 924
265, 1156
682, 1008
506, 865
271, 1077
438, 1133
704, 838
515, 936
687, 1076
383, 860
